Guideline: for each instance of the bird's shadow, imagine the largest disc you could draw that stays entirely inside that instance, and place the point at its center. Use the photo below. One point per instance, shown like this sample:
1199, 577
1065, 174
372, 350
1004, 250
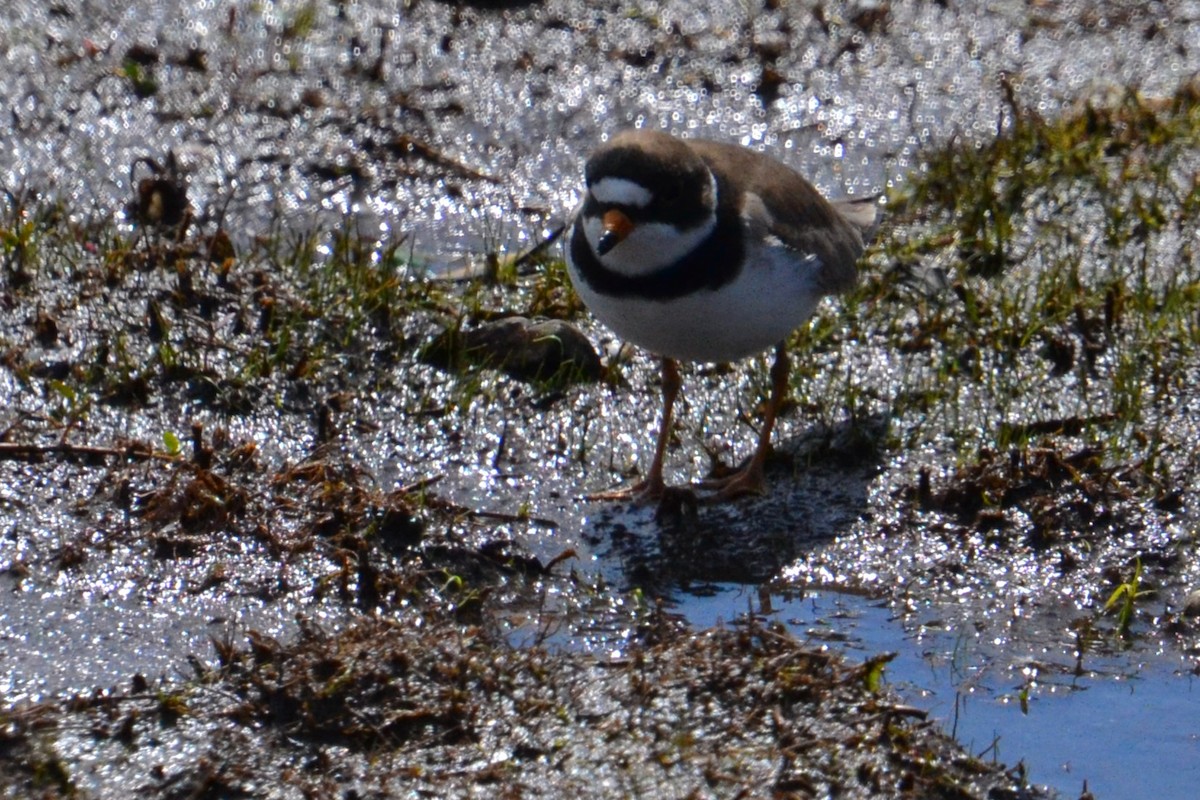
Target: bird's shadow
817, 489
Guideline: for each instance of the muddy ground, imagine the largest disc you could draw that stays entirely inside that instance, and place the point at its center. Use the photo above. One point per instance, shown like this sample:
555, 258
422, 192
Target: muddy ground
422, 661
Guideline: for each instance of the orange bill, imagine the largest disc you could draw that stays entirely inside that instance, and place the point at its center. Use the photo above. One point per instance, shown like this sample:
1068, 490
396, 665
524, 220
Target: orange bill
617, 225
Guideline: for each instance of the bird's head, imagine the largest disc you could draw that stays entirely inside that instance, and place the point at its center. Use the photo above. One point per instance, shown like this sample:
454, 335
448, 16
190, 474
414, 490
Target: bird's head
650, 200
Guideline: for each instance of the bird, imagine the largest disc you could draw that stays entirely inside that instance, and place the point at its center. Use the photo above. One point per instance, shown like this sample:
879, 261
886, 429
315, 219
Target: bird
705, 251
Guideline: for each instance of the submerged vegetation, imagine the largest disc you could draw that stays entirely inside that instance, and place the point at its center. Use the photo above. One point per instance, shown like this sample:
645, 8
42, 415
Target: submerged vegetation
1039, 299
1045, 282
1069, 252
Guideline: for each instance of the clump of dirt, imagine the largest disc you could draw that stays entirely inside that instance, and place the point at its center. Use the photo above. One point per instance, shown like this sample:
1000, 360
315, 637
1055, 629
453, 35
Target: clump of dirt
553, 352
1057, 491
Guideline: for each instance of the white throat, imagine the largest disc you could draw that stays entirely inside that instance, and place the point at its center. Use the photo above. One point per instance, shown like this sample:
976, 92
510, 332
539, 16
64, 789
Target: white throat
651, 245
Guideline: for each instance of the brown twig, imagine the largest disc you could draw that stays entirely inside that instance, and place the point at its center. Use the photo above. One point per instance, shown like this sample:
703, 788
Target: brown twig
524, 262
501, 516
420, 485
16, 451
405, 146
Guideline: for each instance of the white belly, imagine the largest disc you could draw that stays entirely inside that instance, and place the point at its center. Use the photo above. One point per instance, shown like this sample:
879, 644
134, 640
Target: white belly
771, 297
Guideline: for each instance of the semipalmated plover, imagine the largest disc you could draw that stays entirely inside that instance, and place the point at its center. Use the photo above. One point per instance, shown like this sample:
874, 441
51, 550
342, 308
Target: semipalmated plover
702, 251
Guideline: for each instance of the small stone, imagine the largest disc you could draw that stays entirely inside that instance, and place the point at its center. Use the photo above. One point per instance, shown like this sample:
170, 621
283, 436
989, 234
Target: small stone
543, 350
1191, 604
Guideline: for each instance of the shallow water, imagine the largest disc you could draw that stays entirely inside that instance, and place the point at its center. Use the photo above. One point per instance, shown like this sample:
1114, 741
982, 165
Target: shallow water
1129, 727
463, 130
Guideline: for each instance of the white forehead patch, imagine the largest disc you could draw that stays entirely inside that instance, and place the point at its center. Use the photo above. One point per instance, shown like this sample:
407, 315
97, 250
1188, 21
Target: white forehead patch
621, 192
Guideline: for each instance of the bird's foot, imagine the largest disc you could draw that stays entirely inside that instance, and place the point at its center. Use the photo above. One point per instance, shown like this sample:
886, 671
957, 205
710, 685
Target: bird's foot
642, 493
674, 505
750, 480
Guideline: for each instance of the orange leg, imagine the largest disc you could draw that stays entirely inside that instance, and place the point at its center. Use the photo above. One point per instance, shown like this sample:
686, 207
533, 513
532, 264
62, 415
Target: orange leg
651, 488
751, 479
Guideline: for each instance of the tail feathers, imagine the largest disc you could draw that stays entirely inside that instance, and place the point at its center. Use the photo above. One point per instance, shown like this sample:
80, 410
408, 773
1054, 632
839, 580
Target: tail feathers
861, 212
